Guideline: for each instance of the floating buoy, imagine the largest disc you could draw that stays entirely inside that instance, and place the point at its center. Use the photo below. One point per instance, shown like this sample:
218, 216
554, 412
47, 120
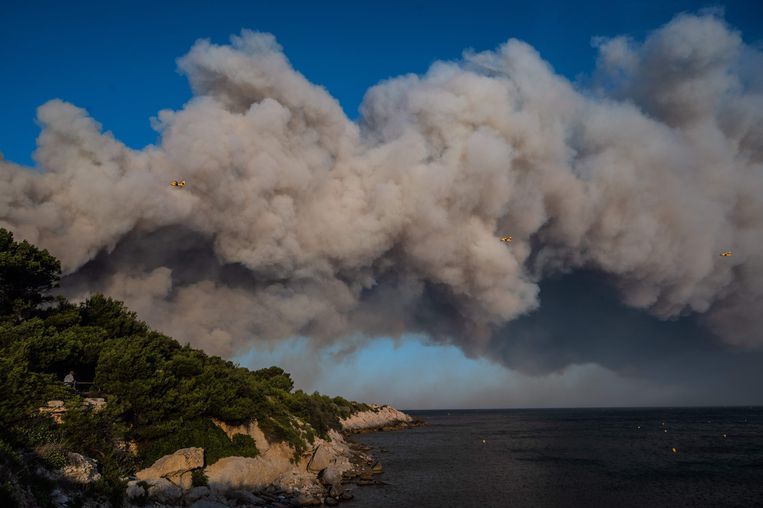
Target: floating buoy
674, 450
483, 441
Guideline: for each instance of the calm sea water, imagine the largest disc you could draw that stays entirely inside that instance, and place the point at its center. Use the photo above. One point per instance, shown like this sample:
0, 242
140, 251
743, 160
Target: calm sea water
572, 457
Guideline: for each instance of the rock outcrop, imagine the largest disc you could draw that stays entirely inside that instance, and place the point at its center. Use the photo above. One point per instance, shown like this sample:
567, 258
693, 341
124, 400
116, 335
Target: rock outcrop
275, 465
80, 469
246, 472
320, 460
375, 418
56, 409
276, 475
164, 491
174, 466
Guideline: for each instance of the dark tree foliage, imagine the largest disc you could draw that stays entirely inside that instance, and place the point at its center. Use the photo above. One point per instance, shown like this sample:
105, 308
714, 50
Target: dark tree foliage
26, 275
159, 394
112, 316
277, 377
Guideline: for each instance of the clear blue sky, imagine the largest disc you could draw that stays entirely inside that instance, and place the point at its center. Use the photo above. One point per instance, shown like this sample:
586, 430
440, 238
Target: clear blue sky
117, 59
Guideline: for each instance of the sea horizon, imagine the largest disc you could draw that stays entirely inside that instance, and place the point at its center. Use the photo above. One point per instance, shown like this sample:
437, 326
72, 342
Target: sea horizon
729, 406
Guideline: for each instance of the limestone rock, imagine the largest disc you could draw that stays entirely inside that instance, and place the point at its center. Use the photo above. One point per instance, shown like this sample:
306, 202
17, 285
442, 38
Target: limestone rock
135, 490
95, 403
197, 493
55, 409
244, 497
336, 490
246, 472
376, 417
80, 469
164, 490
321, 459
182, 480
250, 429
305, 499
176, 463
332, 475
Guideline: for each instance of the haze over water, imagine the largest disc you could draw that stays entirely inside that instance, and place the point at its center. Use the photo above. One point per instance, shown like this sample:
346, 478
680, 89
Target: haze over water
572, 457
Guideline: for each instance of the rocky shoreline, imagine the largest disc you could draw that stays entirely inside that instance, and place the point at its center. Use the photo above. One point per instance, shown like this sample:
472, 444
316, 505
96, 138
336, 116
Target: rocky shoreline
326, 474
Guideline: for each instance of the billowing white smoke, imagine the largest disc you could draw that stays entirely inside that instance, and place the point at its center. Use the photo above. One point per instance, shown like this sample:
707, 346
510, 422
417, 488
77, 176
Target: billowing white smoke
298, 221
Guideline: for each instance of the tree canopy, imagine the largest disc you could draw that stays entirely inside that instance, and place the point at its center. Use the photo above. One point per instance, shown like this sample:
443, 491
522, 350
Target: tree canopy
26, 275
159, 394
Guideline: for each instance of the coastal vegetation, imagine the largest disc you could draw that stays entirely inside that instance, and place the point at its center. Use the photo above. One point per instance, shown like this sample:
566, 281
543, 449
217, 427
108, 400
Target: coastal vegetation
160, 395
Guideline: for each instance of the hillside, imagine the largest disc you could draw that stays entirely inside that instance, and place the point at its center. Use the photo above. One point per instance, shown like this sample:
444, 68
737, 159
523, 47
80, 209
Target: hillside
160, 396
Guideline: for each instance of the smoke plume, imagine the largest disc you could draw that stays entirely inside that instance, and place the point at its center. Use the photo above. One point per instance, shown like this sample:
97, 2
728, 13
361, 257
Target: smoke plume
297, 221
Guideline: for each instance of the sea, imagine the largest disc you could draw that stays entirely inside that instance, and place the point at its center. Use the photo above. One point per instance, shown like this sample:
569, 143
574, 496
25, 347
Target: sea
649, 457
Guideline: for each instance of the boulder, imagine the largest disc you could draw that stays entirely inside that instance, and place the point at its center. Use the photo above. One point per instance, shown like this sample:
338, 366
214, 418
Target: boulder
305, 499
320, 460
332, 475
80, 469
247, 472
330, 501
182, 480
244, 497
197, 493
95, 403
336, 490
164, 490
54, 409
135, 490
174, 464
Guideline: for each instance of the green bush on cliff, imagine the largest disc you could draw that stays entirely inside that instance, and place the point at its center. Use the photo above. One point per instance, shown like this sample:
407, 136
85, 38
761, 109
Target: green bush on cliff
160, 394
202, 433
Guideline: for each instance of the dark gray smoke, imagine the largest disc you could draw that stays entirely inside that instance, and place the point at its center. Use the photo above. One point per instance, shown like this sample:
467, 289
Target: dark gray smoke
297, 221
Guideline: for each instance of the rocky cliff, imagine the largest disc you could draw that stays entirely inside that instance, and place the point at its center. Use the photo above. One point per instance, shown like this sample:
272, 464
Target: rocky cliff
378, 417
278, 475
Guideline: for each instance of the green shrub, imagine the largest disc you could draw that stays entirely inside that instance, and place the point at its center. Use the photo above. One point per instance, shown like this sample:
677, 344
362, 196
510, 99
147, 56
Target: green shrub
198, 478
54, 455
198, 433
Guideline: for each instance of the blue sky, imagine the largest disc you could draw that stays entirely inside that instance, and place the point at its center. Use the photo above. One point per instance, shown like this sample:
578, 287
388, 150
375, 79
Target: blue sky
117, 59
118, 62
